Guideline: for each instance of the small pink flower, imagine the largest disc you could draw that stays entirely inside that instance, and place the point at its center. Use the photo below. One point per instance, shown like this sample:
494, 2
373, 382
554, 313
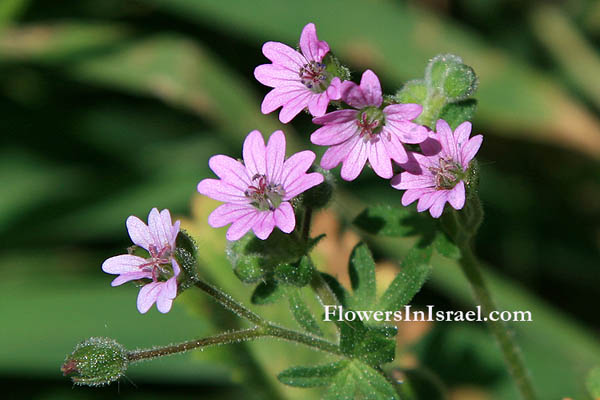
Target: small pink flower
299, 80
443, 168
257, 193
158, 238
367, 132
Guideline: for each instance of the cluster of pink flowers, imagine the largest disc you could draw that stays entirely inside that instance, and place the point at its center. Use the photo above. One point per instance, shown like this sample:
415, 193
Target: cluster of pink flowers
259, 191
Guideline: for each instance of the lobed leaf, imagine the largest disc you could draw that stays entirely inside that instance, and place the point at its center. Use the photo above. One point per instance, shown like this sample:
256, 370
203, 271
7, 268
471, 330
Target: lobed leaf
362, 277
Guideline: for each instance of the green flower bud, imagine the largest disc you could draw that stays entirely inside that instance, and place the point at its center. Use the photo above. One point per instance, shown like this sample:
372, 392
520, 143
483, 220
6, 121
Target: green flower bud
96, 361
186, 254
414, 91
249, 265
449, 75
296, 274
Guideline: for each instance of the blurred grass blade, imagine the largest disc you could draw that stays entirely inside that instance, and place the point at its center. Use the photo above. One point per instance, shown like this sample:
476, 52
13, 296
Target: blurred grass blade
397, 40
11, 10
575, 55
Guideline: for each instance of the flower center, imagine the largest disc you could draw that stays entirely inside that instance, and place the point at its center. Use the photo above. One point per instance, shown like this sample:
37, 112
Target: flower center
264, 195
370, 122
447, 174
159, 262
314, 76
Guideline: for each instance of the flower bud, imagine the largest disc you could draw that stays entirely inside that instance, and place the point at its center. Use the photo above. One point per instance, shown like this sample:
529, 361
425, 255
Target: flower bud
96, 361
448, 74
296, 274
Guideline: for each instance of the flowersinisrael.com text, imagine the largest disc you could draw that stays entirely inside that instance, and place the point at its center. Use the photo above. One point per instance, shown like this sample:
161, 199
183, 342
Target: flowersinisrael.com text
337, 313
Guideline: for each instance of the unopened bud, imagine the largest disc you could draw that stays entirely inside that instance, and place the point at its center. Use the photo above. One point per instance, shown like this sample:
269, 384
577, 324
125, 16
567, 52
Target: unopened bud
96, 361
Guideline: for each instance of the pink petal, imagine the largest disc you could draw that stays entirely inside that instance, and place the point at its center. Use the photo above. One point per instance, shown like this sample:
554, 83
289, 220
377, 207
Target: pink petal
403, 112
170, 233
371, 88
334, 133
231, 171
302, 184
456, 197
336, 117
227, 213
295, 105
242, 225
139, 232
123, 264
355, 162
147, 296
285, 218
175, 232
312, 48
407, 132
296, 166
426, 200
275, 155
407, 180
283, 55
282, 95
336, 154
264, 225
431, 146
219, 190
254, 153
380, 160
131, 276
165, 297
334, 90
394, 146
275, 75
438, 205
446, 139
413, 194
317, 105
470, 149
159, 231
176, 269
462, 132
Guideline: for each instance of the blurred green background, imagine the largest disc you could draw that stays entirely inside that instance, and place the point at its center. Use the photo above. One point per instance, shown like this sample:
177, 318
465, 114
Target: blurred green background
112, 107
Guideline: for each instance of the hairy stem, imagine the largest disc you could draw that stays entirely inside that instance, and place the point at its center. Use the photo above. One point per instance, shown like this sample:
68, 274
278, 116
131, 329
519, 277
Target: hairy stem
509, 347
230, 303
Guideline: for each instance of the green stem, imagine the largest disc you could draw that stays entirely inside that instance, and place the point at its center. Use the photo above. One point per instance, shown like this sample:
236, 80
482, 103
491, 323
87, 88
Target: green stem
230, 303
509, 347
306, 224
268, 330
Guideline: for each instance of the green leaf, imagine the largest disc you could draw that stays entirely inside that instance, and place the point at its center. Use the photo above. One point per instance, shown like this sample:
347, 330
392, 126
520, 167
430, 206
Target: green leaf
415, 271
359, 381
456, 113
302, 313
306, 377
444, 246
340, 292
386, 220
593, 383
267, 292
414, 91
296, 274
362, 277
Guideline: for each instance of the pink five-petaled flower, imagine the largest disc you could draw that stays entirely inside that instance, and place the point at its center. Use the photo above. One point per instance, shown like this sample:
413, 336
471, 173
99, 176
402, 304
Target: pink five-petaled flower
158, 238
367, 132
444, 168
299, 80
257, 192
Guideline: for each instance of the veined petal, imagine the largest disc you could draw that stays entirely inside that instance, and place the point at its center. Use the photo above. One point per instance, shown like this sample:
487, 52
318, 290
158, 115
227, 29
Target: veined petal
395, 148
407, 132
439, 202
275, 155
407, 180
171, 235
413, 194
254, 154
264, 225
293, 107
284, 217
336, 117
147, 296
312, 48
159, 232
227, 213
219, 190
283, 55
431, 146
167, 293
462, 132
332, 134
302, 184
446, 139
275, 75
282, 95
380, 160
426, 200
334, 90
231, 171
123, 264
295, 166
317, 104
403, 112
242, 225
131, 276
456, 196
139, 232
338, 153
355, 162
371, 88
470, 149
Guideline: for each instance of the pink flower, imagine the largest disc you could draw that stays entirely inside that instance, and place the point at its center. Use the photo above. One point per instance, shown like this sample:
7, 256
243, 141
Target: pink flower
443, 167
158, 238
299, 80
257, 193
367, 132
